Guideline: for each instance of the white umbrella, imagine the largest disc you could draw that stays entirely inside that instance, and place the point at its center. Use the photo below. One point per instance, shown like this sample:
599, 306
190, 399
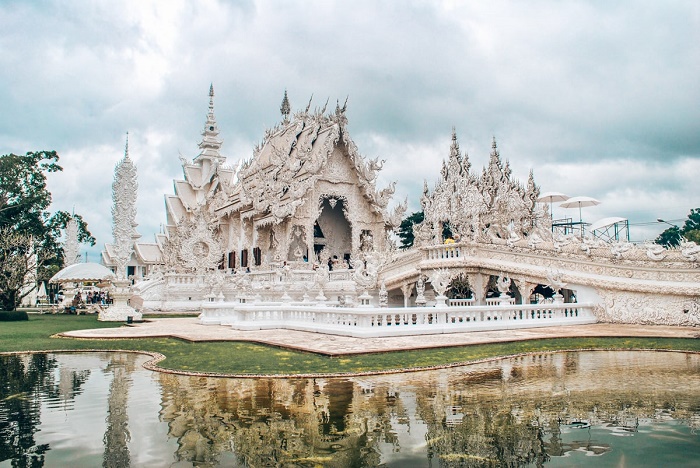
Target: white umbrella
580, 202
606, 222
549, 197
79, 272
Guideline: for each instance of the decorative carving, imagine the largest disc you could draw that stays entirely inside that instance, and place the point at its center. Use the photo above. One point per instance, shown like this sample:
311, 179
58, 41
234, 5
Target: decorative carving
420, 291
440, 280
383, 296
503, 285
655, 252
194, 245
690, 250
124, 192
493, 203
555, 281
70, 247
645, 309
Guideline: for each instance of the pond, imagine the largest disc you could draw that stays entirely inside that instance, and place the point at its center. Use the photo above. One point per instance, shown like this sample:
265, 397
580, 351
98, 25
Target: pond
593, 408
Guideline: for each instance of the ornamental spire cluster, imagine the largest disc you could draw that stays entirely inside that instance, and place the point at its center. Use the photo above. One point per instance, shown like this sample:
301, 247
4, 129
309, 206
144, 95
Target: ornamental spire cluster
492, 205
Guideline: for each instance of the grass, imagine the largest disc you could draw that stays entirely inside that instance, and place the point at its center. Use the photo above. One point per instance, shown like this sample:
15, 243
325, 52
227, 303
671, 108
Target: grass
249, 358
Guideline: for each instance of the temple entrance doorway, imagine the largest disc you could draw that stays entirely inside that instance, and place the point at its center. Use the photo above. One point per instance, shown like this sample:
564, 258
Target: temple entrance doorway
332, 229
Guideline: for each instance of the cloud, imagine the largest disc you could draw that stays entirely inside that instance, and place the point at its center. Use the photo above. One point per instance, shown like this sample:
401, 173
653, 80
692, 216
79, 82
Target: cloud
596, 98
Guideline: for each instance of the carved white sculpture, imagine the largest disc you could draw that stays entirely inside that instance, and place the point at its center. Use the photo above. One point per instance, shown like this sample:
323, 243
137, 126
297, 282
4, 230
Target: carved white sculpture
383, 296
420, 291
124, 193
492, 204
503, 285
70, 248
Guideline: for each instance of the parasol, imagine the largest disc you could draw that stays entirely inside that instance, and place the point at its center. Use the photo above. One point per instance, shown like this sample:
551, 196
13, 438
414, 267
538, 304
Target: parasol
80, 272
549, 197
580, 202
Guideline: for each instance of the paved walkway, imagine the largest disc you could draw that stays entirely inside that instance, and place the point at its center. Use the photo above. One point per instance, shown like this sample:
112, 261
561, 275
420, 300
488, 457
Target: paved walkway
190, 329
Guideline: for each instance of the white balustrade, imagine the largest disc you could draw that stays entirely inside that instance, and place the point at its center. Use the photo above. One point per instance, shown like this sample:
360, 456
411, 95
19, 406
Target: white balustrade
461, 302
379, 322
442, 252
496, 301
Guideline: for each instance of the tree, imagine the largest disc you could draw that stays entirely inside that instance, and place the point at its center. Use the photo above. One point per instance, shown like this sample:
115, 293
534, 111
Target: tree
459, 287
691, 228
672, 236
406, 228
18, 266
30, 234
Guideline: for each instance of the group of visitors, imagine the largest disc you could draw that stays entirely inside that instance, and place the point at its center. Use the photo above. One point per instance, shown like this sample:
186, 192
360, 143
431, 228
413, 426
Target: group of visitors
98, 297
91, 297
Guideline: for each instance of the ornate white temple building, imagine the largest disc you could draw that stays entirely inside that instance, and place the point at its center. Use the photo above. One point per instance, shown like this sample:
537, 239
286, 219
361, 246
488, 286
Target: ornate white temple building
299, 236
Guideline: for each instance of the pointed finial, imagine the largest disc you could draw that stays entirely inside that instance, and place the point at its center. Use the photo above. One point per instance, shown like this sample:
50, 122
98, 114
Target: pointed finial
493, 142
285, 108
308, 106
126, 147
211, 97
454, 133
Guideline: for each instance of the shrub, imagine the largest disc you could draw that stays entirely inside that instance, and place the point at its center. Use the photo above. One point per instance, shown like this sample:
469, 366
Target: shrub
13, 316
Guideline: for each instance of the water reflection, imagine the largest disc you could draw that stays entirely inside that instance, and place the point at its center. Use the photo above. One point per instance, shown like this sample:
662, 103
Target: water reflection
596, 408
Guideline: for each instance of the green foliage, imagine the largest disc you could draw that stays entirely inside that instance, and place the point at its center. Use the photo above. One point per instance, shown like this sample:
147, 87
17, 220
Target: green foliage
252, 358
672, 236
447, 230
27, 228
13, 316
23, 193
406, 228
459, 287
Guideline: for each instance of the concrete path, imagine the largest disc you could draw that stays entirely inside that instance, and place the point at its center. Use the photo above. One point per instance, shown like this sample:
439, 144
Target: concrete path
190, 329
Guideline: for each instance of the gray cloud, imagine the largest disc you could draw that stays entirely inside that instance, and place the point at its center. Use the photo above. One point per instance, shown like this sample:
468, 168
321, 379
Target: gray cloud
598, 99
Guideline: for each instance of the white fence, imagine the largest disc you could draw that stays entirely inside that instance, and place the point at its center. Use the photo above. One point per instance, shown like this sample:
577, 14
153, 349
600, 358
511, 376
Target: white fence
383, 322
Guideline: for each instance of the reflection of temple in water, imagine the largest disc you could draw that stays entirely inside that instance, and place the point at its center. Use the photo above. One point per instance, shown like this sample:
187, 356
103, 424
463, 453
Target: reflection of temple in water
512, 412
116, 438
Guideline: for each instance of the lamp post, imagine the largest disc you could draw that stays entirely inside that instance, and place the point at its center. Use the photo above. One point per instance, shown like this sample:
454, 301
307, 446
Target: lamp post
659, 220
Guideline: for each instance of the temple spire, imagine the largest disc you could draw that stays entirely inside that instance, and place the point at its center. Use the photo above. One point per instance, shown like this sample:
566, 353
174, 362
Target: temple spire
210, 144
495, 159
126, 146
285, 108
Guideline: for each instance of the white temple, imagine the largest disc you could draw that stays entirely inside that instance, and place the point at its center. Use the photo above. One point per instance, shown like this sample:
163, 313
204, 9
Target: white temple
299, 236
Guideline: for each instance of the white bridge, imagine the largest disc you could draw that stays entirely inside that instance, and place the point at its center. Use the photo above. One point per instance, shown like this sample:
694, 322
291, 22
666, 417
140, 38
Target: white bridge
598, 284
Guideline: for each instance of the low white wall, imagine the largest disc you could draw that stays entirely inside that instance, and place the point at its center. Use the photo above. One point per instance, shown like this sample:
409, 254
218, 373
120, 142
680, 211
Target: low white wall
384, 322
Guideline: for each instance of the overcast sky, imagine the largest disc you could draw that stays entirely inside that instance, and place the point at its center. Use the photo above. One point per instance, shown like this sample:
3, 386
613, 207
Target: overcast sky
598, 98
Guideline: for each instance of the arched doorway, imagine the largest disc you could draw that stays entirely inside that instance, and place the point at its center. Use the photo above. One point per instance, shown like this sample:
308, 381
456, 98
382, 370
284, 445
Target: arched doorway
332, 229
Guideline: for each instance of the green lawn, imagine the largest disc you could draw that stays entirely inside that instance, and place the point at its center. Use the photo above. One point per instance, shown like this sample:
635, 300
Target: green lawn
248, 358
